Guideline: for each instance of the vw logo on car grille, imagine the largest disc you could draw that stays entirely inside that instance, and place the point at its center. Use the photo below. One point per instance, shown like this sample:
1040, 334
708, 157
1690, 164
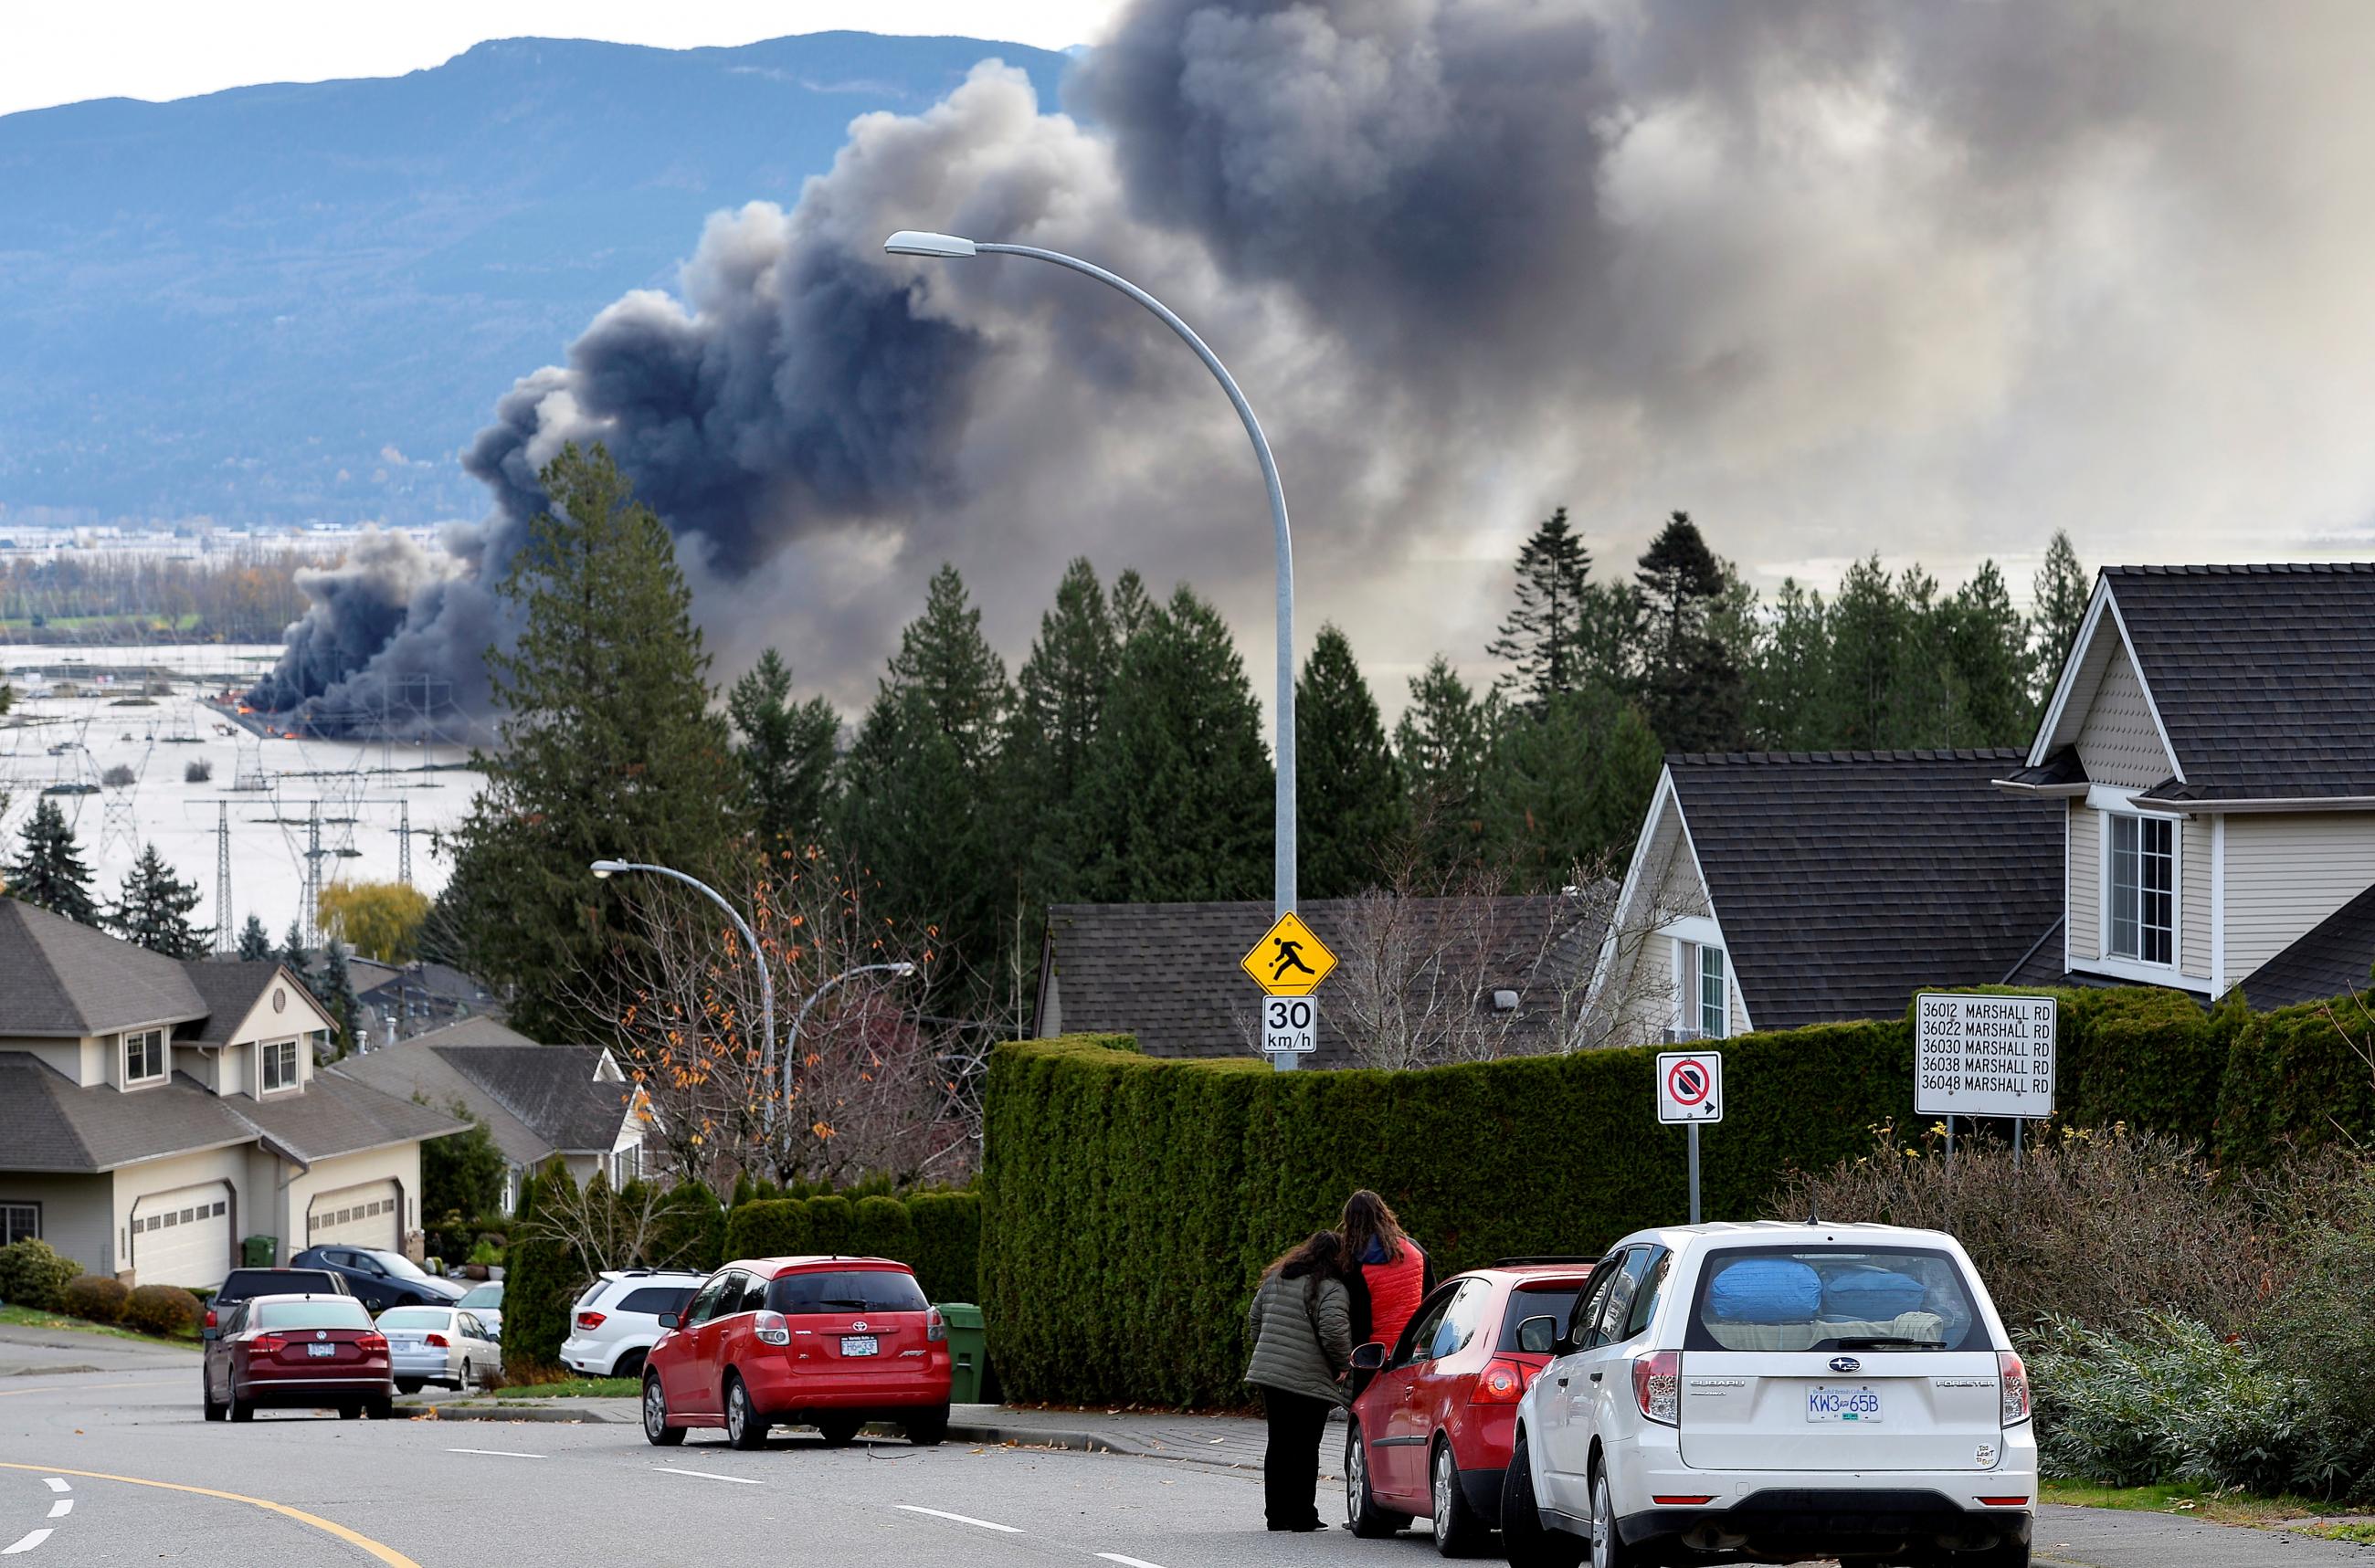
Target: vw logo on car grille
321, 1334
858, 1328
1846, 1364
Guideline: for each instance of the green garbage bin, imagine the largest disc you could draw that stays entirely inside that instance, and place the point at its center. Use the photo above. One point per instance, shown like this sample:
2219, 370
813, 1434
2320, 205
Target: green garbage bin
257, 1252
969, 1349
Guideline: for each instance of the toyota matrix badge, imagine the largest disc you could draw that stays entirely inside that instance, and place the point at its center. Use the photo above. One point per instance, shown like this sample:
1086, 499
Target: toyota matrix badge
858, 1328
1846, 1364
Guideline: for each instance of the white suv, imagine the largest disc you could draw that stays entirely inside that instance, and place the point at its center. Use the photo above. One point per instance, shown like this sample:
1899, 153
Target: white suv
1785, 1393
617, 1321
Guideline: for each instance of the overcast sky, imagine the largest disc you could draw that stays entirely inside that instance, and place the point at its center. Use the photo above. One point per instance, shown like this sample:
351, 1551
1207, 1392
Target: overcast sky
163, 49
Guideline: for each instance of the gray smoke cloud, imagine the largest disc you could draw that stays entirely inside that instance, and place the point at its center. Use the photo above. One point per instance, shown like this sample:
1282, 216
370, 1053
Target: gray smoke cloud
1837, 276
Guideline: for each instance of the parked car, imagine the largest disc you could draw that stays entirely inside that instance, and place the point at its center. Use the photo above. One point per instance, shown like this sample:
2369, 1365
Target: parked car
439, 1344
1430, 1435
1782, 1393
246, 1284
828, 1342
617, 1321
487, 1300
380, 1279
302, 1352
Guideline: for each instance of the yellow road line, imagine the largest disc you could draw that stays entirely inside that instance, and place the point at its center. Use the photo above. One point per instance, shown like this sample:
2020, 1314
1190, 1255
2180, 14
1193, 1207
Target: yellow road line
86, 1387
386, 1554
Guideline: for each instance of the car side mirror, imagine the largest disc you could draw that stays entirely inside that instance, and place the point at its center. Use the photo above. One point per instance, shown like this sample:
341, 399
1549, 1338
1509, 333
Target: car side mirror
1369, 1356
209, 1333
667, 1320
1539, 1336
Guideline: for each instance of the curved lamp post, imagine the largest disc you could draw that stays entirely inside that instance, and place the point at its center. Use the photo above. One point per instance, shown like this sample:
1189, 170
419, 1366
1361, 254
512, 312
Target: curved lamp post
606, 869
792, 1043
919, 242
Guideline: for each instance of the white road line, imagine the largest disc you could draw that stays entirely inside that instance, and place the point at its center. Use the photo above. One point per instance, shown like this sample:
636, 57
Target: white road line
497, 1453
1127, 1561
707, 1475
958, 1518
28, 1544
56, 1483
61, 1507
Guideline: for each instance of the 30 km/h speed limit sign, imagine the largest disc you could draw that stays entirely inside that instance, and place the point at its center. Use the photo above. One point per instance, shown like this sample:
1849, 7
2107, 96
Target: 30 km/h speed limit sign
1690, 1087
1290, 1026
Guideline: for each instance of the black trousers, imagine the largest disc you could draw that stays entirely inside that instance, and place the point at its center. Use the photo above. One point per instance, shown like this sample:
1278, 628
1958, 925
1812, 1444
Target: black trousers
1291, 1462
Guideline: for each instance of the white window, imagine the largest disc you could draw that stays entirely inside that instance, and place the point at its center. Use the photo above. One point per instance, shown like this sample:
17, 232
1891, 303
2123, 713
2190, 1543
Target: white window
143, 1056
2142, 883
1702, 993
626, 1164
1715, 1010
279, 1064
19, 1223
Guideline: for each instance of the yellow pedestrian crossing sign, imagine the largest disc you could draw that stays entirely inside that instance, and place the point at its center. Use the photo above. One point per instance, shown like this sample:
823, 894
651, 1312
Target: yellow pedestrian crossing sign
1289, 961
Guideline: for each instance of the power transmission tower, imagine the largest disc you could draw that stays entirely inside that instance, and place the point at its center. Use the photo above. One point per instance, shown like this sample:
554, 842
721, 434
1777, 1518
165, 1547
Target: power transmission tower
311, 913
404, 842
225, 938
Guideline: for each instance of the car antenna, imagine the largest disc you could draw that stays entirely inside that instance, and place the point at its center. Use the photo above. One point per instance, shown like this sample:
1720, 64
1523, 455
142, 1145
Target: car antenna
1814, 1214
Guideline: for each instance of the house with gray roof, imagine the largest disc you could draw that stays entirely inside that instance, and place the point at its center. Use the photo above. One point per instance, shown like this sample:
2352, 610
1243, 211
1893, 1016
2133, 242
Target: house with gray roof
158, 1113
536, 1100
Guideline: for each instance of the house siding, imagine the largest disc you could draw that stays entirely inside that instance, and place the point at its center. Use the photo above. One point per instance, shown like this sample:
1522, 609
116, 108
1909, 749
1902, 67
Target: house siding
78, 1214
2288, 871
2120, 745
2193, 897
2086, 883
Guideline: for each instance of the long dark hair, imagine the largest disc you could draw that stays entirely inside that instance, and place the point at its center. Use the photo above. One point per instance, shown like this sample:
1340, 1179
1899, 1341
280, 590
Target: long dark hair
1368, 1219
1321, 1258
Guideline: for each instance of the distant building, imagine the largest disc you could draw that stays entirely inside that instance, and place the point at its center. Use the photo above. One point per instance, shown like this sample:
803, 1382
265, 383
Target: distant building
400, 1001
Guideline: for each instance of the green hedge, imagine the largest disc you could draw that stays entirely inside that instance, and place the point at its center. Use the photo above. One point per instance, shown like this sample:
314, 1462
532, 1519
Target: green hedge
936, 1234
2297, 1077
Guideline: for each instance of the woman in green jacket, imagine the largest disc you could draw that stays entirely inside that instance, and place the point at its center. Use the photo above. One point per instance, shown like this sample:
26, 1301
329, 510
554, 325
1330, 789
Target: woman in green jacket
1301, 1329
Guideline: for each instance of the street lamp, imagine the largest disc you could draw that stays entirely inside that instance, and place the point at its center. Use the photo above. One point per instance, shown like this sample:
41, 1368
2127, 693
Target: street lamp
792, 1045
951, 247
606, 869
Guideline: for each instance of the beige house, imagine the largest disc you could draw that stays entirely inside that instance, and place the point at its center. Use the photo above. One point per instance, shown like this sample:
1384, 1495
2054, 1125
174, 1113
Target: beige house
158, 1113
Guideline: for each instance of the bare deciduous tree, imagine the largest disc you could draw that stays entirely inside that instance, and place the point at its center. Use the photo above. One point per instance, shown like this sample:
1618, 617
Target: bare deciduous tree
607, 1229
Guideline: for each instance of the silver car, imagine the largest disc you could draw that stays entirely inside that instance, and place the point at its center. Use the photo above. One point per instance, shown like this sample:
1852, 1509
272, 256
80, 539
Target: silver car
486, 1301
439, 1344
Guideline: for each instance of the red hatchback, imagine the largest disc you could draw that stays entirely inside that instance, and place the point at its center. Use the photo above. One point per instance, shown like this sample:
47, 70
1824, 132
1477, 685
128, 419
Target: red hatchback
1432, 1431
297, 1352
828, 1342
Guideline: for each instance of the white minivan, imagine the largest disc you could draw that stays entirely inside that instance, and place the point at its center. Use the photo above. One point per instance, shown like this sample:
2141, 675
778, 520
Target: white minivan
1780, 1392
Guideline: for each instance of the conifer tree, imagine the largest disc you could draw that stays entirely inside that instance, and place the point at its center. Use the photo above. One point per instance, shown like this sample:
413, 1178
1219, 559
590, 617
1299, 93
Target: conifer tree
338, 993
294, 956
1130, 604
254, 941
1692, 690
1543, 637
1570, 783
786, 751
1444, 746
1987, 644
1178, 794
2063, 591
49, 871
1868, 650
154, 909
1058, 706
1350, 806
609, 748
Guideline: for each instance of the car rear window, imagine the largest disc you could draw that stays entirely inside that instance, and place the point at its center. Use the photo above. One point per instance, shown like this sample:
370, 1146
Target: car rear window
344, 1312
490, 1294
415, 1317
1554, 1302
656, 1299
1834, 1297
853, 1290
242, 1283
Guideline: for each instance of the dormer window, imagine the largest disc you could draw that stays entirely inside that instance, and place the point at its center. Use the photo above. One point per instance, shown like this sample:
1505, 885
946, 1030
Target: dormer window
144, 1057
280, 1057
2143, 885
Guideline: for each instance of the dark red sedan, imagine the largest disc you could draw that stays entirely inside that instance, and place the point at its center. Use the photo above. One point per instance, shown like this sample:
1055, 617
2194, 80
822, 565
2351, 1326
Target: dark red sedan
297, 1352
828, 1342
1431, 1433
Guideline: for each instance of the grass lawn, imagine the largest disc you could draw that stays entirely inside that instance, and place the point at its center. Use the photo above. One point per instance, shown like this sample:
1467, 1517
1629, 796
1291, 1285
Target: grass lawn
28, 1317
2219, 1507
571, 1388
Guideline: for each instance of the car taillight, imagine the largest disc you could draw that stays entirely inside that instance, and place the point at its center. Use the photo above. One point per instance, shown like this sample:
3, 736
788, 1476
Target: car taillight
589, 1321
373, 1344
1501, 1383
1658, 1386
210, 1319
266, 1345
772, 1329
935, 1327
2013, 1375
437, 1340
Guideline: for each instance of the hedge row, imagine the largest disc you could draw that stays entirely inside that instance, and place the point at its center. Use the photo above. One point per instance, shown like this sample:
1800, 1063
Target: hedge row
1128, 1203
936, 1234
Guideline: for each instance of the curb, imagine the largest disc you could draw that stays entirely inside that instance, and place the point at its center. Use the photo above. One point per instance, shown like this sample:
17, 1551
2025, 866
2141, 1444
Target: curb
503, 1413
1087, 1443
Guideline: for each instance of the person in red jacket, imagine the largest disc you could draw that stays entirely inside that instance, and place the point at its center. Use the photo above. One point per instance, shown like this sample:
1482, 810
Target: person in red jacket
1394, 1271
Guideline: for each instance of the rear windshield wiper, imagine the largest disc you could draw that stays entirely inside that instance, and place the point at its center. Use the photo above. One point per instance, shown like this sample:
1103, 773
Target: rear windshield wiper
1885, 1342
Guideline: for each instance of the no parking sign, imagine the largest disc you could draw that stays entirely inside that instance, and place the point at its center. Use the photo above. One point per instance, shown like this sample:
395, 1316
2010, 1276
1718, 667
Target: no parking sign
1690, 1087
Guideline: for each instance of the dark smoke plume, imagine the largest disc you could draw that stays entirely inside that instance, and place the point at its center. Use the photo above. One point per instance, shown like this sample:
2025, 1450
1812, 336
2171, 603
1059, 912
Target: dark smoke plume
1837, 274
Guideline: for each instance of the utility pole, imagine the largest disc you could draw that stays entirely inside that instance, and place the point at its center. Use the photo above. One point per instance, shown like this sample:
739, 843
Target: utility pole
225, 938
404, 842
313, 871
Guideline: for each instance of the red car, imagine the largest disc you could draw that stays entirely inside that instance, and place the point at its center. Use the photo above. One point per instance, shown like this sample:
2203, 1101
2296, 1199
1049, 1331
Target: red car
299, 1352
1432, 1431
828, 1342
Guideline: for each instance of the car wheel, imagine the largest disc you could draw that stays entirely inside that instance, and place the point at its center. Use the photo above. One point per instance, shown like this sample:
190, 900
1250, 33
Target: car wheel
240, 1410
630, 1365
1523, 1536
928, 1429
350, 1413
745, 1427
469, 1378
206, 1397
380, 1409
1362, 1515
656, 1430
1458, 1531
838, 1432
1608, 1547
408, 1385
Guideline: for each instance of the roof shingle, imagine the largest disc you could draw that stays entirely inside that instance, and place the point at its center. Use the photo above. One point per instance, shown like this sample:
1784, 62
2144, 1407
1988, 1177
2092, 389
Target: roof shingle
59, 977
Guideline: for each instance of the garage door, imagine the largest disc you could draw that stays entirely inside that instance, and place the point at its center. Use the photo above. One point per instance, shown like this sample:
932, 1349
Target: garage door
182, 1237
367, 1216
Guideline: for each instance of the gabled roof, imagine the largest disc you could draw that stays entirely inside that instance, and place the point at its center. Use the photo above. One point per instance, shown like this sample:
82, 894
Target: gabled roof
61, 978
408, 1071
1844, 881
550, 1088
334, 1117
1168, 973
231, 989
2331, 959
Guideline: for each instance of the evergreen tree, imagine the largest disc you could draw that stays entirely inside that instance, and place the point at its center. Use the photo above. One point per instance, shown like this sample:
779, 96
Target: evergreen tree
1987, 645
1694, 689
1791, 696
49, 871
1867, 625
609, 748
254, 941
1444, 744
1130, 604
1562, 631
294, 956
1178, 796
154, 909
786, 751
1059, 707
1570, 784
1350, 805
944, 660
338, 993
2063, 591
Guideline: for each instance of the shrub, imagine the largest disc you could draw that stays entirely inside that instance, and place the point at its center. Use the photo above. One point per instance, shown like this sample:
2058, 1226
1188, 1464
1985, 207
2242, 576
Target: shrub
540, 1283
2298, 1077
690, 1231
948, 1245
197, 772
831, 1221
119, 776
880, 1227
768, 1227
33, 1275
97, 1298
160, 1309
